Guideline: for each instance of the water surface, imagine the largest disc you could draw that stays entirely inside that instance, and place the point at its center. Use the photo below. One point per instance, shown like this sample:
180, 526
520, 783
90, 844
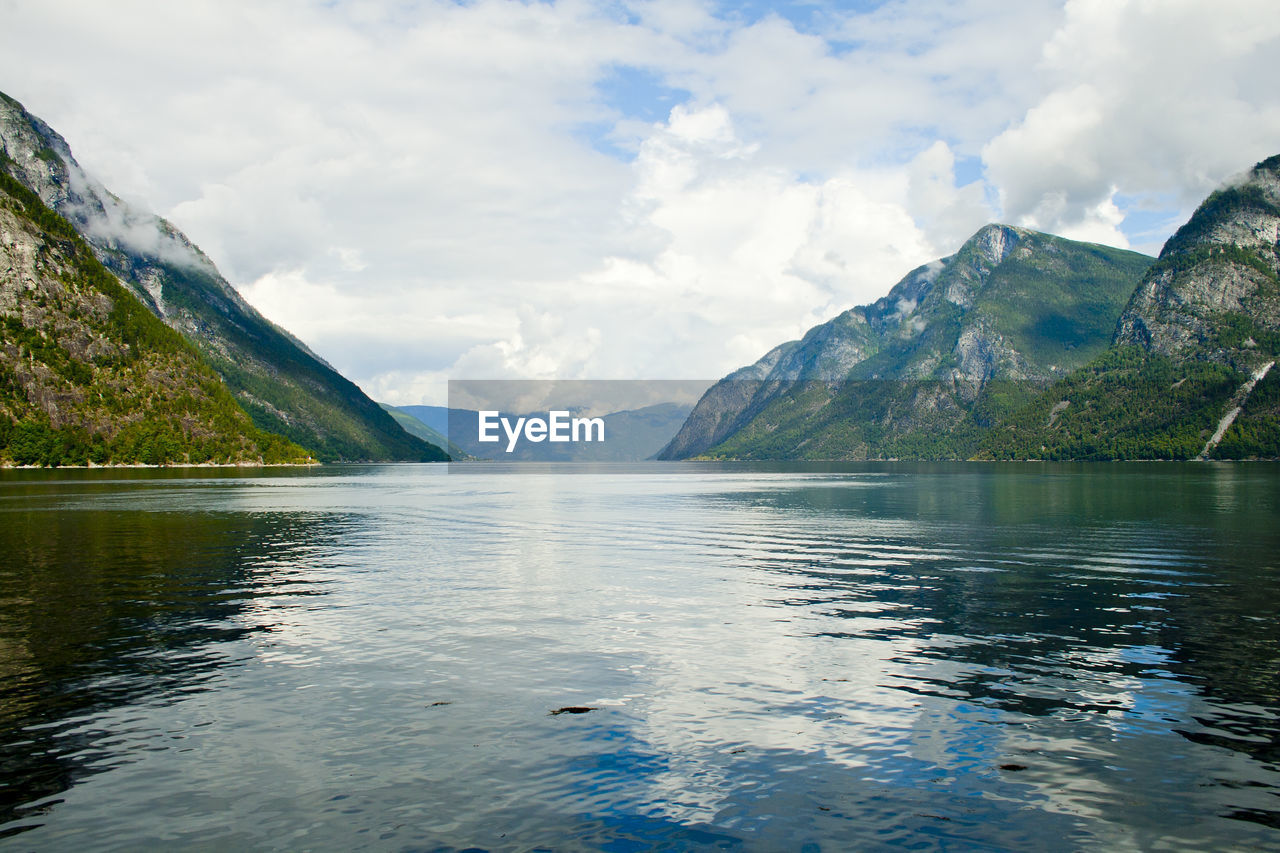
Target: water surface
955, 657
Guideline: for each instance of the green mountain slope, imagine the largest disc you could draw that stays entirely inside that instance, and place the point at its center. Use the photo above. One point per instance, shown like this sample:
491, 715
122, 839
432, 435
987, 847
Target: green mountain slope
413, 426
1191, 372
924, 372
88, 374
1127, 404
283, 386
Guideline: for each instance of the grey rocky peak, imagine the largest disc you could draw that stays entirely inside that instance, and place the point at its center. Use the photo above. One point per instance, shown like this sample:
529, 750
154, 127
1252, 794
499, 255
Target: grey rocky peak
1214, 294
131, 243
995, 242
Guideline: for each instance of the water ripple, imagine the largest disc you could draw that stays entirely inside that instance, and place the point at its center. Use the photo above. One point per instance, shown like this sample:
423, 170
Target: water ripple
951, 657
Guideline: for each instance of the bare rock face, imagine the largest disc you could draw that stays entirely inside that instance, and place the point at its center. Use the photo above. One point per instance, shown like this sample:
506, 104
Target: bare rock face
982, 354
127, 241
87, 375
986, 250
995, 242
1214, 294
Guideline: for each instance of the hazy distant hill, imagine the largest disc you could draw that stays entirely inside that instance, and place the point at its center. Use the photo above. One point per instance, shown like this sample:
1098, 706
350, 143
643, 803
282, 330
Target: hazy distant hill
436, 418
414, 426
283, 386
88, 374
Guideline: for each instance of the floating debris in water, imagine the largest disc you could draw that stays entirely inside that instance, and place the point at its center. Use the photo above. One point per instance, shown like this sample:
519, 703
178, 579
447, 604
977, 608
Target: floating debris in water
438, 704
572, 709
1013, 767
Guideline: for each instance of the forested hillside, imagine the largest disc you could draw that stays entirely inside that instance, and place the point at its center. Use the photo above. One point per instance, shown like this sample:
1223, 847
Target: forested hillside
89, 375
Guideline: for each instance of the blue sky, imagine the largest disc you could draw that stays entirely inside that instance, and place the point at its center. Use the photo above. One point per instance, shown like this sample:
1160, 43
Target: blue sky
618, 189
639, 93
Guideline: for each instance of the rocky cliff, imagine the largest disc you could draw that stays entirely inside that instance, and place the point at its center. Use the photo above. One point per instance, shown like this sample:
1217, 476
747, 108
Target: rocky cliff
88, 374
1214, 294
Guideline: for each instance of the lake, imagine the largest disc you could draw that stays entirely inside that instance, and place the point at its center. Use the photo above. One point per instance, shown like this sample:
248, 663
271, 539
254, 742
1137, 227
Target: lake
776, 657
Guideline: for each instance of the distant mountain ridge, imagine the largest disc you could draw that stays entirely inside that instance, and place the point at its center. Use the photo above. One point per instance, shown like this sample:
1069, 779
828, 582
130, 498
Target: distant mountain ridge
907, 375
414, 426
285, 388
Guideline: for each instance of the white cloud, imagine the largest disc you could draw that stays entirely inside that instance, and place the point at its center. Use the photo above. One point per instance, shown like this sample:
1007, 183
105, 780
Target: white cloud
426, 190
1142, 98
732, 257
948, 213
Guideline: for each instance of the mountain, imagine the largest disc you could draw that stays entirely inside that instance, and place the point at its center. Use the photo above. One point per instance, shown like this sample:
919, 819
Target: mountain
639, 434
88, 374
924, 371
1214, 294
416, 427
285, 388
1190, 374
434, 418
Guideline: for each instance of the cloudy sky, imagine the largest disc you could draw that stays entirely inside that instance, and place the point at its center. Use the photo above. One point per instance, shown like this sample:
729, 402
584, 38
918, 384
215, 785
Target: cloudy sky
615, 189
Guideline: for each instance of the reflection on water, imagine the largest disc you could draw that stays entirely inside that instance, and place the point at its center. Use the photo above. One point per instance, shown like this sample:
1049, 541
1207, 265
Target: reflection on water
877, 656
104, 607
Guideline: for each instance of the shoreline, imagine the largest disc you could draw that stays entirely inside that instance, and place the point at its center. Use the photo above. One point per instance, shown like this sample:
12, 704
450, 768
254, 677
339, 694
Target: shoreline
94, 465
5, 466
